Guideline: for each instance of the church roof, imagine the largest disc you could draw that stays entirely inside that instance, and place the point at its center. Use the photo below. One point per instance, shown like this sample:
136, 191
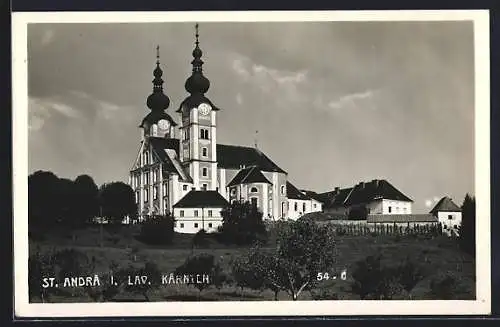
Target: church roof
163, 147
361, 193
193, 101
202, 199
249, 175
155, 115
233, 157
294, 193
445, 204
228, 156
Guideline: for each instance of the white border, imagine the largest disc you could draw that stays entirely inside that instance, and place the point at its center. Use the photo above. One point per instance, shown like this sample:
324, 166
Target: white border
261, 308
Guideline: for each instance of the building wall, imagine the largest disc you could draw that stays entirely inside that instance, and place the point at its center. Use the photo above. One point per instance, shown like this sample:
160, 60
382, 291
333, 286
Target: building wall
187, 222
297, 208
450, 220
395, 207
277, 195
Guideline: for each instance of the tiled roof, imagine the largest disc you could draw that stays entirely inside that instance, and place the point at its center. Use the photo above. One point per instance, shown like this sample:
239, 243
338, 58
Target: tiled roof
445, 204
313, 195
155, 115
249, 175
294, 193
334, 199
412, 218
160, 146
202, 199
231, 156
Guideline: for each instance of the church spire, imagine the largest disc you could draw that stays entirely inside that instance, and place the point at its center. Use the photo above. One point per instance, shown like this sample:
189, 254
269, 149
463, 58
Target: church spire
197, 83
158, 100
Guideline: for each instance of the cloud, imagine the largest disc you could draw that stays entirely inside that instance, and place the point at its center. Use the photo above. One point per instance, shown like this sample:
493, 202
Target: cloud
239, 98
47, 37
41, 109
350, 100
430, 202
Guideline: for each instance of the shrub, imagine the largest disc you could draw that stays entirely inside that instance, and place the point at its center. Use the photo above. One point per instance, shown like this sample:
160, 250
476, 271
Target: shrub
157, 230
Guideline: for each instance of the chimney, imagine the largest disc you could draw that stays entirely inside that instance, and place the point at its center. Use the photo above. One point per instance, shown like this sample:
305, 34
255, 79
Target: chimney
362, 184
375, 182
337, 190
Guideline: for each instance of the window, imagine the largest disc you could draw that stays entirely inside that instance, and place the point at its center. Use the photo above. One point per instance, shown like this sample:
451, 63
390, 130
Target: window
185, 133
450, 217
445, 227
296, 206
146, 195
146, 177
182, 225
155, 192
283, 208
303, 207
146, 158
254, 190
314, 205
196, 213
204, 187
210, 215
184, 187
254, 201
204, 134
204, 152
455, 226
233, 191
204, 172
283, 190
389, 209
181, 213
209, 225
195, 225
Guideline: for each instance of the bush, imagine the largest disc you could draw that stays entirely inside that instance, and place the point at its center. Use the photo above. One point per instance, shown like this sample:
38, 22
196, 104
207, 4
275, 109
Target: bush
200, 239
157, 230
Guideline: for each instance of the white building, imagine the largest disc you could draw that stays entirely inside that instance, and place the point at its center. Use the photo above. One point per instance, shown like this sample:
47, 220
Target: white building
379, 197
448, 214
299, 203
180, 164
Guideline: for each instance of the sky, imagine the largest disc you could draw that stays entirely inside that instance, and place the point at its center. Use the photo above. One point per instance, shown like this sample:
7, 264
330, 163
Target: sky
334, 103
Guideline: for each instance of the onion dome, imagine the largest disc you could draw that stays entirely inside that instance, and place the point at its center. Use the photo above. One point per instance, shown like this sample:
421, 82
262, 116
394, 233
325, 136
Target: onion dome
197, 83
158, 100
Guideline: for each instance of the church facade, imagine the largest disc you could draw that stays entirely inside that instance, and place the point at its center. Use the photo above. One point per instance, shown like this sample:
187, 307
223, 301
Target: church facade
181, 169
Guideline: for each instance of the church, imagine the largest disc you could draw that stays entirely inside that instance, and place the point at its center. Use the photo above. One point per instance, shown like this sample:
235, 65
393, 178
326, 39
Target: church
180, 169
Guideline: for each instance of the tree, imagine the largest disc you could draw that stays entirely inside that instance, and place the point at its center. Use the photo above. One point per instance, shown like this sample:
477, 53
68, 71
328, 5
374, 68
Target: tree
467, 231
202, 265
304, 249
245, 275
158, 230
87, 204
117, 201
44, 205
200, 239
242, 224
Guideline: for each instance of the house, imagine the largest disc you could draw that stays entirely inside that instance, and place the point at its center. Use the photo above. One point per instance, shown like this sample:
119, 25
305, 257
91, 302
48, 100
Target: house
199, 210
448, 213
299, 203
377, 196
180, 163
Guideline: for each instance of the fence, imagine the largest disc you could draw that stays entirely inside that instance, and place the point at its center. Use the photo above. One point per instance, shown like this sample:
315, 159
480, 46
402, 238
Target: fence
357, 228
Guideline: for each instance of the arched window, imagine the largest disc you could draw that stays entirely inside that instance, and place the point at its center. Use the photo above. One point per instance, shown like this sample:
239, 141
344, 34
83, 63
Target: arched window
254, 190
283, 190
233, 191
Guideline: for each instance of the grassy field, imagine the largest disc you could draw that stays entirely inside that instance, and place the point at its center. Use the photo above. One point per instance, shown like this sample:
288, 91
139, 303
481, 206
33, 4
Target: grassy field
435, 256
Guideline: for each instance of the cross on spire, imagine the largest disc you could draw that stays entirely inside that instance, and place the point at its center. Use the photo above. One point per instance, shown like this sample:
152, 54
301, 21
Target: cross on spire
197, 34
157, 54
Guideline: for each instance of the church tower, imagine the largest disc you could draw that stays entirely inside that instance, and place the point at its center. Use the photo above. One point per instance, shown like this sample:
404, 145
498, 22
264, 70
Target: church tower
158, 123
198, 139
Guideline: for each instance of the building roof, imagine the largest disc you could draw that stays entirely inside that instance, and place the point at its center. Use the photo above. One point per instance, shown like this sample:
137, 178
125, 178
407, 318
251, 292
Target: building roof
193, 101
228, 156
155, 115
361, 193
313, 195
166, 150
202, 199
445, 204
294, 193
249, 175
409, 218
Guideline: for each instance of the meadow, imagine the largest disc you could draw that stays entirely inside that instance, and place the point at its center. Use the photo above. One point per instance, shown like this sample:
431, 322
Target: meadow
437, 258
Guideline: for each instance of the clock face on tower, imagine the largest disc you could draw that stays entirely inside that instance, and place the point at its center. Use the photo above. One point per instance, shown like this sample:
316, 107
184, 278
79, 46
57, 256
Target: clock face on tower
163, 124
204, 109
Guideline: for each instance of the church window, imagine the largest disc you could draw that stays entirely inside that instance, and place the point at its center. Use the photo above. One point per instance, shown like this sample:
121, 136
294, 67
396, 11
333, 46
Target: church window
204, 172
204, 152
181, 213
146, 195
184, 187
303, 207
254, 190
296, 206
185, 133
204, 134
233, 191
210, 215
146, 178
155, 193
196, 213
164, 189
283, 189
